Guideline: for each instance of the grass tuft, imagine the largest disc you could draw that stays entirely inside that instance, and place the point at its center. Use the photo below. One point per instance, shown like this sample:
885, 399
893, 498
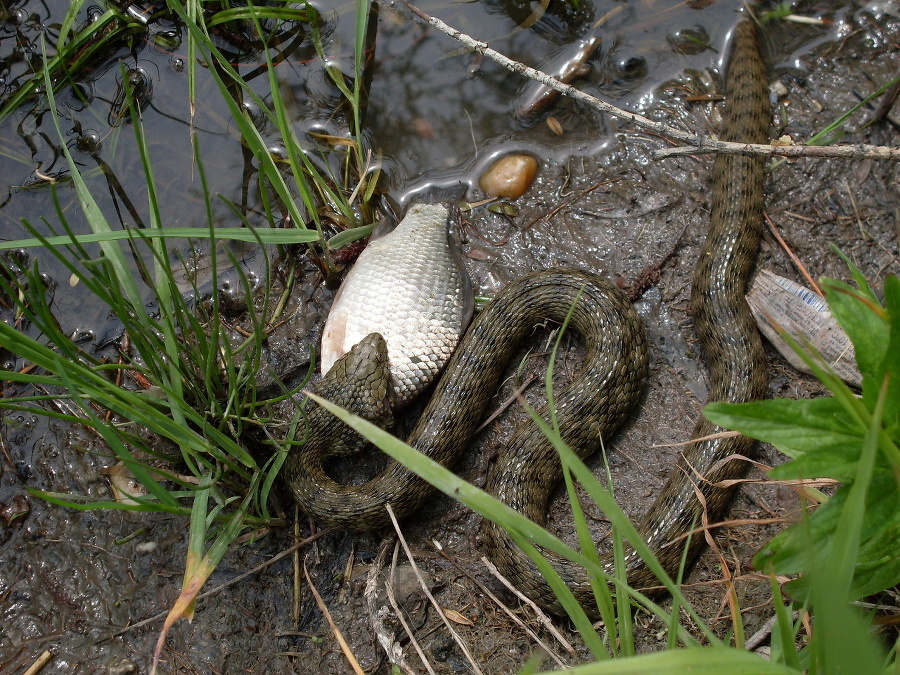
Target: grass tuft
178, 399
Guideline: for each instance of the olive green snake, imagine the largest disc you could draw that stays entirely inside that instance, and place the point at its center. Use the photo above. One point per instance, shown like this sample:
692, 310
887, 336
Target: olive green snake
597, 402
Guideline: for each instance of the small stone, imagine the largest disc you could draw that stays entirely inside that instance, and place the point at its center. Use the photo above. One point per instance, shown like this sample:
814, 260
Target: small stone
17, 509
509, 176
146, 547
123, 667
778, 90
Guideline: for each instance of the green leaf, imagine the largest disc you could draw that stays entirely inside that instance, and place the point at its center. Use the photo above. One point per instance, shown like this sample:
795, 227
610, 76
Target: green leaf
349, 236
865, 325
891, 364
696, 661
241, 13
878, 559
794, 427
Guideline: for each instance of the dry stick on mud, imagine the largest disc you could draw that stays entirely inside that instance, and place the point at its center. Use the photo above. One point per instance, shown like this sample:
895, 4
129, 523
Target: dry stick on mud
377, 614
440, 611
230, 582
542, 617
389, 591
697, 143
506, 610
345, 648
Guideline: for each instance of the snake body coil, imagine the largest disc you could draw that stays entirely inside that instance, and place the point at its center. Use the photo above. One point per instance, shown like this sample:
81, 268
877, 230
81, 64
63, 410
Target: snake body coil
596, 403
729, 339
593, 405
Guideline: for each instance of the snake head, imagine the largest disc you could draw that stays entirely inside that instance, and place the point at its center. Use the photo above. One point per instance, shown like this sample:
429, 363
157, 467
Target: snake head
359, 381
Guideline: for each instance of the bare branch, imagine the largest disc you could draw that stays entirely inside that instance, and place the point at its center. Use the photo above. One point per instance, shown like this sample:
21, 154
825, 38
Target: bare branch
697, 143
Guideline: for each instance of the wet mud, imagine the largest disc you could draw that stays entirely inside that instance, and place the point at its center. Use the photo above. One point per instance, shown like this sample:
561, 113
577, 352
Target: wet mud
91, 586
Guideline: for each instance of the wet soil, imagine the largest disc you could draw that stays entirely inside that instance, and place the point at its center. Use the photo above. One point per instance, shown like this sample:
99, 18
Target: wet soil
79, 583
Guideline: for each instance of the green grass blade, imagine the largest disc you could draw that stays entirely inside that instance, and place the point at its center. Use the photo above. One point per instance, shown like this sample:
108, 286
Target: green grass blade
784, 631
855, 651
489, 507
833, 132
617, 517
699, 661
266, 235
89, 207
447, 482
573, 609
81, 503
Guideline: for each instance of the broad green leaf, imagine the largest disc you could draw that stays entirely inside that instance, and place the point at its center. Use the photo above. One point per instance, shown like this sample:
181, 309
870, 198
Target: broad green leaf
794, 427
891, 364
878, 558
696, 661
837, 463
856, 650
866, 327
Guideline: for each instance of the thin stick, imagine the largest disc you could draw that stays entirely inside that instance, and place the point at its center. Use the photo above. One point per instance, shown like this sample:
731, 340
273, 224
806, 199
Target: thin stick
345, 648
730, 597
787, 249
760, 636
484, 589
415, 568
542, 617
710, 437
508, 402
39, 663
385, 637
298, 580
392, 598
697, 143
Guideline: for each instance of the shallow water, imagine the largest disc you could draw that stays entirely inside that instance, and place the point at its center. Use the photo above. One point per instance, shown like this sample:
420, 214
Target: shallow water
69, 579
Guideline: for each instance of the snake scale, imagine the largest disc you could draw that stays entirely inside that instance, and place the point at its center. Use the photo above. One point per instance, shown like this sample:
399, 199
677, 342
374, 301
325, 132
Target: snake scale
593, 405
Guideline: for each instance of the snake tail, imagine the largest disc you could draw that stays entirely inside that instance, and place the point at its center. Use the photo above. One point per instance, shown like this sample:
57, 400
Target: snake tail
732, 347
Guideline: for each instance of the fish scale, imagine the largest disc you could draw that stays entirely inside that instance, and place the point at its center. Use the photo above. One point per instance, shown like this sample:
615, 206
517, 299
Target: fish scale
409, 286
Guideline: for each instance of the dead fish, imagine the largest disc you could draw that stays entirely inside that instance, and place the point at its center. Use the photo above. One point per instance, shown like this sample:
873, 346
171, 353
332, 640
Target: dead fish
779, 304
409, 285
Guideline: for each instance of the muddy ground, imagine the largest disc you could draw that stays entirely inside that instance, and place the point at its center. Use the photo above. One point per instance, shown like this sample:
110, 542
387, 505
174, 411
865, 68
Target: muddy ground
66, 586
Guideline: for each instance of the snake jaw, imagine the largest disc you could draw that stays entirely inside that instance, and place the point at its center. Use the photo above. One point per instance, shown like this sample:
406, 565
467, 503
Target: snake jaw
360, 381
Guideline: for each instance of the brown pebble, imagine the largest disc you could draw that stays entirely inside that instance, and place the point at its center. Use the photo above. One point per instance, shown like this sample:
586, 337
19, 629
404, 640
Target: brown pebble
509, 176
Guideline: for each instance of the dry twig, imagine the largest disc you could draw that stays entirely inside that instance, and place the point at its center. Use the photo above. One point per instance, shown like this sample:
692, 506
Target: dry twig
385, 637
695, 143
793, 256
440, 611
39, 663
542, 617
345, 648
484, 589
389, 590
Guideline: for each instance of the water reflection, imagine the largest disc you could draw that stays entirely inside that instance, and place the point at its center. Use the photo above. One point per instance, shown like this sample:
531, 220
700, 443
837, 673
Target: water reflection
435, 111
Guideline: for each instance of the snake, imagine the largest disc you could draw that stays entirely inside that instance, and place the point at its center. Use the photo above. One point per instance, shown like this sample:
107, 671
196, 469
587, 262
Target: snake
593, 406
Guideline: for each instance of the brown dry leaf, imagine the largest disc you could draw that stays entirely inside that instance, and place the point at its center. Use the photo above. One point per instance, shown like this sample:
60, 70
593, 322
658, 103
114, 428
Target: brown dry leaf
334, 141
456, 617
123, 483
